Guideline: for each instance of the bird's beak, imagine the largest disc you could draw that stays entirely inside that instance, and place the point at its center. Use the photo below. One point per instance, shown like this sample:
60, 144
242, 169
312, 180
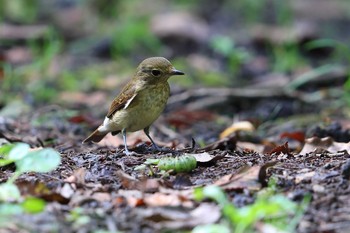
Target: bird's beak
176, 72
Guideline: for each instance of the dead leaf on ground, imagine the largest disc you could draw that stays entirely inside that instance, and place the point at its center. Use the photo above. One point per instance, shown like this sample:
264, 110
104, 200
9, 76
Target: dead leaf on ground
162, 199
133, 198
237, 127
39, 189
205, 159
102, 196
175, 218
82, 197
78, 177
281, 149
146, 185
251, 147
319, 145
297, 135
181, 181
228, 143
251, 178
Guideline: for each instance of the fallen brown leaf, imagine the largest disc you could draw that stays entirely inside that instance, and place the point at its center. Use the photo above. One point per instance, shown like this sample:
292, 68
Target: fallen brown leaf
78, 177
129, 182
251, 178
319, 145
205, 159
228, 143
297, 135
237, 127
162, 199
39, 189
282, 149
176, 218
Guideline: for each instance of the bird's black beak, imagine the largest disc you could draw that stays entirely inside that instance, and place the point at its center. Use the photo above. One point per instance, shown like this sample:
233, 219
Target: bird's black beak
176, 72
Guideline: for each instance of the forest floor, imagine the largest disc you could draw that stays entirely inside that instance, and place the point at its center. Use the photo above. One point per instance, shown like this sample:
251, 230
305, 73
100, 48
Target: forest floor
263, 108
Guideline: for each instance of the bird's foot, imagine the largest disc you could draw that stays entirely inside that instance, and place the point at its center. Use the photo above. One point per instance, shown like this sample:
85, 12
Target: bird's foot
130, 153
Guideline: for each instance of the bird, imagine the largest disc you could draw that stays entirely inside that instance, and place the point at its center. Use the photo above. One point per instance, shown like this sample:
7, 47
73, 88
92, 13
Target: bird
140, 102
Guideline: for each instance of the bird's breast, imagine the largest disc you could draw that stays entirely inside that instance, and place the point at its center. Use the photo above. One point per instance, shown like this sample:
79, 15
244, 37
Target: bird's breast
144, 109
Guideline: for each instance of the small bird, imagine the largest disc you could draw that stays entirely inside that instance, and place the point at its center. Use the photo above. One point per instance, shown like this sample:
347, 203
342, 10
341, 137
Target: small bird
140, 102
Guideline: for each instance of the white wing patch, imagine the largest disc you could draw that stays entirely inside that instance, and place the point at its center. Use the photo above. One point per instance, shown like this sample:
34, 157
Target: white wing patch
105, 125
129, 101
108, 125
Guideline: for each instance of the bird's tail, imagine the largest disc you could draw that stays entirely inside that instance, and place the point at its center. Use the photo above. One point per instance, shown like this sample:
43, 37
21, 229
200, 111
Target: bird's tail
96, 136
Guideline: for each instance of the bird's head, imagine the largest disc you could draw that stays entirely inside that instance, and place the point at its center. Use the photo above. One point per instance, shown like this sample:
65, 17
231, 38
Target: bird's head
156, 69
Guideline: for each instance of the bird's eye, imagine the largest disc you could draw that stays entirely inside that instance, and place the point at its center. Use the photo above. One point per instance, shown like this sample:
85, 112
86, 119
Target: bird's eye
156, 73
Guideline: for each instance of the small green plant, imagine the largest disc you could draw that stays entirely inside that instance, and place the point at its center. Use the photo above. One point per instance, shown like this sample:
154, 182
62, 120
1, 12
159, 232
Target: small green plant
287, 57
26, 160
269, 207
34, 78
19, 11
341, 54
78, 217
274, 11
341, 50
226, 47
133, 36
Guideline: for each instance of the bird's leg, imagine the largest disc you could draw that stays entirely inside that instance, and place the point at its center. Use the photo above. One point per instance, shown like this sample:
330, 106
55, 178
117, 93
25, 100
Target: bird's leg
127, 152
155, 146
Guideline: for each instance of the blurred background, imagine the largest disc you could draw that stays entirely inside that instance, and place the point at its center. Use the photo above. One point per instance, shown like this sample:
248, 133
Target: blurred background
244, 58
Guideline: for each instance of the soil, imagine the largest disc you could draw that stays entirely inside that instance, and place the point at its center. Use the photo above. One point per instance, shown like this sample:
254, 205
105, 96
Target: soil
100, 184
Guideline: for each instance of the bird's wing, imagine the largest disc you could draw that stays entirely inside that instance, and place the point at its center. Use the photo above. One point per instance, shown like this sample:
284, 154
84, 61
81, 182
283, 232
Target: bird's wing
122, 100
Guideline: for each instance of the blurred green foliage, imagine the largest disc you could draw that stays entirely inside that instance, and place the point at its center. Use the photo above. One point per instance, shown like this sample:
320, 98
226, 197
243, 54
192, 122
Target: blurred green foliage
273, 11
269, 207
236, 56
26, 160
134, 36
287, 57
126, 24
19, 11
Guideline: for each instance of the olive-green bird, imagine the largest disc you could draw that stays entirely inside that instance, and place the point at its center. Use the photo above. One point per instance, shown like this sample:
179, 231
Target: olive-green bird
140, 102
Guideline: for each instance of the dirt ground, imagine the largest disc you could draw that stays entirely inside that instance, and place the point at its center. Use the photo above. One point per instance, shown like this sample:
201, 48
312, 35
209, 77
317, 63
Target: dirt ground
96, 187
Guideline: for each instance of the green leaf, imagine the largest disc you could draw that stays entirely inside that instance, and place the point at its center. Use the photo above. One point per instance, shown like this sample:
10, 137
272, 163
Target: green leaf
215, 193
4, 162
223, 45
13, 152
5, 149
7, 209
19, 151
33, 205
9, 192
44, 160
321, 43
